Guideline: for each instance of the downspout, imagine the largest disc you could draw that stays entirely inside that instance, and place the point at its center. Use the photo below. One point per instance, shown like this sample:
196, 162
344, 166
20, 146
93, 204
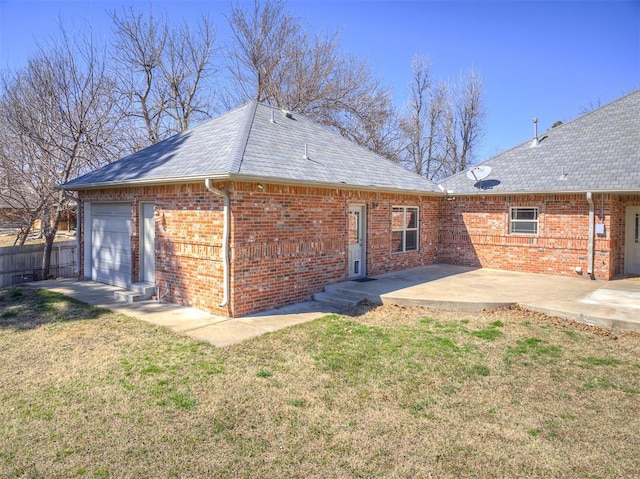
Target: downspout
590, 252
79, 213
225, 240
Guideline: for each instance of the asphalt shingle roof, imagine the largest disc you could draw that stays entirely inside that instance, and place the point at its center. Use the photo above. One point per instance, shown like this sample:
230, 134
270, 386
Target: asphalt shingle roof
599, 151
258, 142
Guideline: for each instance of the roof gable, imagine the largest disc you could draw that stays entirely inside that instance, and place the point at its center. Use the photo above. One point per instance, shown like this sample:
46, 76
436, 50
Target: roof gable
599, 151
261, 143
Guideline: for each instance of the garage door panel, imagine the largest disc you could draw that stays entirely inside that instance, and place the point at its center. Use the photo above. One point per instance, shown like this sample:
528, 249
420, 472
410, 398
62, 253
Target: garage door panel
110, 257
111, 209
111, 277
111, 225
107, 239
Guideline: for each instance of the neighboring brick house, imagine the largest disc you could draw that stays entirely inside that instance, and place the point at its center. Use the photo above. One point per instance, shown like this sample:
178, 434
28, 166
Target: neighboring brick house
260, 208
565, 203
300, 207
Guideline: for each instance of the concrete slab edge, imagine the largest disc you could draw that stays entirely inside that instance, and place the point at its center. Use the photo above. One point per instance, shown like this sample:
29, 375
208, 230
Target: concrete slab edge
592, 320
465, 306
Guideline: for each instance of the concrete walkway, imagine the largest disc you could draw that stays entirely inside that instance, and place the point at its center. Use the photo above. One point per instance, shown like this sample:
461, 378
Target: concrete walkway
217, 330
613, 304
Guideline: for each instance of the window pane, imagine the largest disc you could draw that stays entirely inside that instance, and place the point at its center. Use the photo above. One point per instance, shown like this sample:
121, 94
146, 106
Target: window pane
397, 219
404, 225
524, 213
396, 241
412, 217
524, 227
412, 240
354, 227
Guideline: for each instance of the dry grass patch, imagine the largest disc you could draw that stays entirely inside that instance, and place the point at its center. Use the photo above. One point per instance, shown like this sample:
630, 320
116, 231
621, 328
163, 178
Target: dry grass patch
385, 392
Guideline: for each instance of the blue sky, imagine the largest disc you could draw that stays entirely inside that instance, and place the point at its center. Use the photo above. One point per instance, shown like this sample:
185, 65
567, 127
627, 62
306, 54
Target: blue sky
548, 59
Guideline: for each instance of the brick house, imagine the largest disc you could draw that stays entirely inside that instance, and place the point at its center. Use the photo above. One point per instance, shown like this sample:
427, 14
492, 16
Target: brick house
253, 210
260, 208
566, 203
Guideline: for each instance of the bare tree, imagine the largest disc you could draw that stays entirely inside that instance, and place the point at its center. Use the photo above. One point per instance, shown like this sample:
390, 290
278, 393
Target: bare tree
186, 69
138, 48
588, 107
58, 118
464, 120
422, 123
162, 72
272, 60
263, 37
20, 207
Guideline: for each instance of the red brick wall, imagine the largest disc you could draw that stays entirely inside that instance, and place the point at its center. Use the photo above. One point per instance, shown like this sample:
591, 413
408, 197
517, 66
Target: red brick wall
287, 242
474, 231
291, 241
188, 240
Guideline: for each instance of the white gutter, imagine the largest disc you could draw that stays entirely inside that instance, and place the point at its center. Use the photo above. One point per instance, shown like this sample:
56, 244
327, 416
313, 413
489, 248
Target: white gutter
250, 179
544, 192
225, 240
591, 239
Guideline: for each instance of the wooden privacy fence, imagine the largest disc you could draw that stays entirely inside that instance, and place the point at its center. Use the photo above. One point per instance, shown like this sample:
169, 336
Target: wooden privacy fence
21, 264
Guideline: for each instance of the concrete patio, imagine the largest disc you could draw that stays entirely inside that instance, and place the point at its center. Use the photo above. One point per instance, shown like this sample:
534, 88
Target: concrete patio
608, 304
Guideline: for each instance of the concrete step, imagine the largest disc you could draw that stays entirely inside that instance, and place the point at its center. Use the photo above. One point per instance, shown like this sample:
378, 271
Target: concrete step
130, 296
347, 289
137, 292
148, 289
337, 299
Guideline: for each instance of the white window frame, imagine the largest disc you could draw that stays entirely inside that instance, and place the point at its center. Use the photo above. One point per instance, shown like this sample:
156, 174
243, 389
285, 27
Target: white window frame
405, 227
514, 221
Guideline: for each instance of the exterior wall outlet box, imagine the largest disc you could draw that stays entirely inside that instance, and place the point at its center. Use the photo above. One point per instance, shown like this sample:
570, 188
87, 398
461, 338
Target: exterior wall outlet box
599, 228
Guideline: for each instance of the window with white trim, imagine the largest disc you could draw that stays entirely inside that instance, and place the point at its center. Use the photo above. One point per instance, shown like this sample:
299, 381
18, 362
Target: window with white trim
523, 221
404, 229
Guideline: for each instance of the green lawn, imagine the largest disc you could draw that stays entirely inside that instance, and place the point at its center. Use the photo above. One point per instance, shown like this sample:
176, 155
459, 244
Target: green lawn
385, 392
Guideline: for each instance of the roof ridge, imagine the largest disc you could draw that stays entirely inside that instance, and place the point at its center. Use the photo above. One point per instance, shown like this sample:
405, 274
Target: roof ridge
237, 153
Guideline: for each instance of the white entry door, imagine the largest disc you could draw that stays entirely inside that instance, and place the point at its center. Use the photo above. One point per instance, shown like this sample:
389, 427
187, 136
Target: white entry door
148, 243
356, 233
632, 241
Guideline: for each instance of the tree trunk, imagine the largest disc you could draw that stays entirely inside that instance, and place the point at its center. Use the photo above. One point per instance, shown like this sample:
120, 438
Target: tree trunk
21, 239
49, 229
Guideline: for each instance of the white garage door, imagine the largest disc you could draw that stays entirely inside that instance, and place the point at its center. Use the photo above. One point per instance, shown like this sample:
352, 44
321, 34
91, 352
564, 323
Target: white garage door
111, 243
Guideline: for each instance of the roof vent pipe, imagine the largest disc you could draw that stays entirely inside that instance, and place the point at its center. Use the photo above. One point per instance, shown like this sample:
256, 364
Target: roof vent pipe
306, 156
535, 141
273, 117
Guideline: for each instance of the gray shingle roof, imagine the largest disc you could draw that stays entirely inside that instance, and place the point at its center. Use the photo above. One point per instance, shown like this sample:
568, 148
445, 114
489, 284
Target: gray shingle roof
246, 143
599, 151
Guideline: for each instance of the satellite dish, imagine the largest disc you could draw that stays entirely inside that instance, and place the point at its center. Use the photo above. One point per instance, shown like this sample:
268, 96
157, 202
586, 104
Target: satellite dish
478, 173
